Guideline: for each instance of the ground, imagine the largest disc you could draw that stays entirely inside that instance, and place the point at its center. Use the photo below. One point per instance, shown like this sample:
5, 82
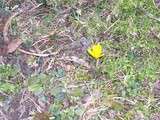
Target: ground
47, 73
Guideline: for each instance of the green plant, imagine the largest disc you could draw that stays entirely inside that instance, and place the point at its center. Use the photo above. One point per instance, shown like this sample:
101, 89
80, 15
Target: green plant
6, 73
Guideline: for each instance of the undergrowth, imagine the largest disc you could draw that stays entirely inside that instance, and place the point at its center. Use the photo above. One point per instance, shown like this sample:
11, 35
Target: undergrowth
120, 85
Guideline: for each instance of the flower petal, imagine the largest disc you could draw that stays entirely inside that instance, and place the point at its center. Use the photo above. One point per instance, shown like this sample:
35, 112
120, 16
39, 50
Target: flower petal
95, 51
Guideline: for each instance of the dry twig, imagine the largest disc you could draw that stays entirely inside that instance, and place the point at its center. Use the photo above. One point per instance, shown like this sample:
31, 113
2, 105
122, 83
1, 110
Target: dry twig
5, 117
76, 60
39, 54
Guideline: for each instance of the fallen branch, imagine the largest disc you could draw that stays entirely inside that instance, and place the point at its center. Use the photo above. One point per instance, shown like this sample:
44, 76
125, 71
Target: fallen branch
39, 54
38, 107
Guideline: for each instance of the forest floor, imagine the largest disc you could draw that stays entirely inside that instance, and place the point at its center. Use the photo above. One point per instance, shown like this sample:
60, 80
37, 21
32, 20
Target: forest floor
46, 72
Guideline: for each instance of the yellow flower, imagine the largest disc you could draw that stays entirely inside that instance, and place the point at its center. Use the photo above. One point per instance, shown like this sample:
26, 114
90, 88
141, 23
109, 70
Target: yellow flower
95, 51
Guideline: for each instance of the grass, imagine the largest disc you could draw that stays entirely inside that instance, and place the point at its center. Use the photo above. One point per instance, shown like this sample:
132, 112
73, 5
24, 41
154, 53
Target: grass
121, 86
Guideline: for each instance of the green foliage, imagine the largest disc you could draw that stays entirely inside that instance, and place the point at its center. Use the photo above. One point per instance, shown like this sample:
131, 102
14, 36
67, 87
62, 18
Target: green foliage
27, 39
77, 92
59, 93
14, 27
82, 75
95, 25
133, 73
131, 56
6, 73
71, 113
59, 73
8, 87
44, 2
47, 20
102, 5
38, 83
127, 7
2, 5
36, 87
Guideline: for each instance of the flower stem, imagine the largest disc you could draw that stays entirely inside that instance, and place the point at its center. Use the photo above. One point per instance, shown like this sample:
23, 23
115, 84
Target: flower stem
97, 63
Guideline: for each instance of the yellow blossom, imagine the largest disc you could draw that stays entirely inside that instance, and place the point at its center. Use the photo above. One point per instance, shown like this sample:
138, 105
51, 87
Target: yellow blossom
95, 51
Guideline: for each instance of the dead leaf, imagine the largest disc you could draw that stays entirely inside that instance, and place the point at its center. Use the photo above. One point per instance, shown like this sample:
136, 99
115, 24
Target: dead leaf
3, 50
4, 15
13, 45
41, 116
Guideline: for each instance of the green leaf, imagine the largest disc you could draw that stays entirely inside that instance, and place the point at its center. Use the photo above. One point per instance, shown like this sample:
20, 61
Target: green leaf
7, 87
59, 73
7, 71
58, 93
35, 87
77, 92
55, 109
